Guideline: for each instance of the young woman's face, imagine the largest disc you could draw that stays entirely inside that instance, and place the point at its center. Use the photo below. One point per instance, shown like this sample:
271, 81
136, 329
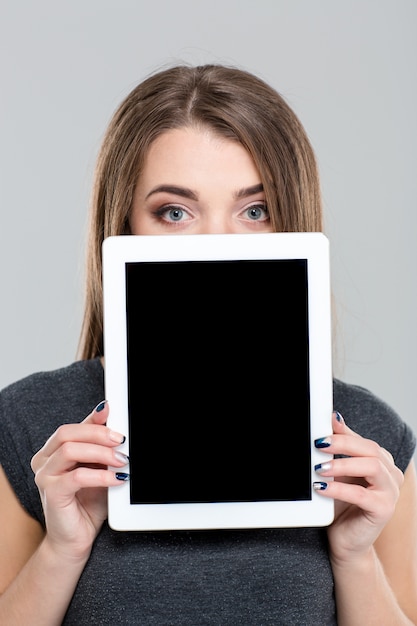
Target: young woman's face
194, 182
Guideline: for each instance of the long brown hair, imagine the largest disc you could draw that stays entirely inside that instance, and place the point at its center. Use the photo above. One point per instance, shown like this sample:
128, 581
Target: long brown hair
233, 103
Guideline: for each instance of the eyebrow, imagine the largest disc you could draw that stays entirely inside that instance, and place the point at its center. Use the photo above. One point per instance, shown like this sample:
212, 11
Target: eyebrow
178, 191
245, 192
184, 192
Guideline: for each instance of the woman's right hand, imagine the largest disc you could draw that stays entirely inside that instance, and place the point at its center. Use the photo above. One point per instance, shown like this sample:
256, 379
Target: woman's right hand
72, 475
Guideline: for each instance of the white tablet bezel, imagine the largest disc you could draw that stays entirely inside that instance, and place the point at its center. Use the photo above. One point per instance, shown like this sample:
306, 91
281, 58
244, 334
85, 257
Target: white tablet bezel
117, 251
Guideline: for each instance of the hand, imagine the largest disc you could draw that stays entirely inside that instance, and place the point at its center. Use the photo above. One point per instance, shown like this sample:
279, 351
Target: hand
72, 477
366, 488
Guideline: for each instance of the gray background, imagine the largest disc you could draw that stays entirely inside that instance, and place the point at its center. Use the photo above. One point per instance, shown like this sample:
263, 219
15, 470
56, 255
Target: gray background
347, 68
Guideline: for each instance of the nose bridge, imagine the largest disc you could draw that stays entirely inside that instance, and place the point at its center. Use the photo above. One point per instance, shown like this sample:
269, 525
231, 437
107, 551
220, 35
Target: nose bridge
217, 223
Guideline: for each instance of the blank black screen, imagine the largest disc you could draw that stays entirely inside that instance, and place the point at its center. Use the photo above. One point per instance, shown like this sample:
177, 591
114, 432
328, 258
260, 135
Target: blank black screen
218, 381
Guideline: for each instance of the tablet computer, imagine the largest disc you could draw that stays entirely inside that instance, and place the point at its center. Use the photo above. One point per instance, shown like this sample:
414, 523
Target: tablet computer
217, 356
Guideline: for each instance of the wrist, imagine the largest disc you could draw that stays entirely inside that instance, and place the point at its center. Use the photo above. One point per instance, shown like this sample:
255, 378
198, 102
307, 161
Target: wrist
63, 555
355, 562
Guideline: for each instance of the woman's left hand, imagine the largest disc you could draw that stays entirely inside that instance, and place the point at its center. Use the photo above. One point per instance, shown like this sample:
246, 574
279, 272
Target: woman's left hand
365, 488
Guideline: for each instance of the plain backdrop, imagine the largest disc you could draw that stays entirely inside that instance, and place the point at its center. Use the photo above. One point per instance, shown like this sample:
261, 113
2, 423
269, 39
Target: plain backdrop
349, 69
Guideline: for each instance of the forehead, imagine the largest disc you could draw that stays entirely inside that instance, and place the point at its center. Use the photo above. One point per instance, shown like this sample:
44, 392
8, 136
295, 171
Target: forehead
196, 153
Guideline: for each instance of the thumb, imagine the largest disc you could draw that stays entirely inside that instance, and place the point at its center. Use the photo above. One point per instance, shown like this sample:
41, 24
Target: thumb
338, 421
98, 415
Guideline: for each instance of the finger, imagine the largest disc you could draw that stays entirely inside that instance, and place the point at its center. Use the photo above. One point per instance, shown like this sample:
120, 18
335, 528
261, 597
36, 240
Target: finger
378, 503
338, 420
352, 444
92, 429
81, 433
340, 426
61, 489
73, 454
374, 502
373, 470
99, 414
356, 446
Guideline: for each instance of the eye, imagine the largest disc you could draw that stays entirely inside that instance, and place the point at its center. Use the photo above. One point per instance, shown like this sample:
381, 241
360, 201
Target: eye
175, 214
256, 212
172, 213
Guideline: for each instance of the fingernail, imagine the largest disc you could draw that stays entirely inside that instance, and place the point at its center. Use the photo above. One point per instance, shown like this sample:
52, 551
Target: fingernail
100, 406
339, 417
319, 486
116, 437
122, 476
122, 458
323, 442
323, 467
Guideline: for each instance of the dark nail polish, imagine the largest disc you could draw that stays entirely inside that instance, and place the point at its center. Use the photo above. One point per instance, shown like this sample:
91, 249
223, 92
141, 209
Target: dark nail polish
101, 406
320, 486
339, 417
122, 476
323, 467
323, 442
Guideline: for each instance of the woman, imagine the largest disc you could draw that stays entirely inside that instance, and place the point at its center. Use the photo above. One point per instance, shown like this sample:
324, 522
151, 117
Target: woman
197, 150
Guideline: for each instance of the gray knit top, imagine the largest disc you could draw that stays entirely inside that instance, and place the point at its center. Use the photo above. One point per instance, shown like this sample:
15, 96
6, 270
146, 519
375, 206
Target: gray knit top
250, 577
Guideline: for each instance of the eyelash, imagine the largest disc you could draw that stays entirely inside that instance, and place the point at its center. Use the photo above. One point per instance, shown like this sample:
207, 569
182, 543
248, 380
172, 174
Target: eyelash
160, 212
258, 205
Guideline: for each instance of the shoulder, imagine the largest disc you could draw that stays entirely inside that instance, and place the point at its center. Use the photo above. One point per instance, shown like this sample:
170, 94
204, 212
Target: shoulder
32, 409
372, 417
67, 378
46, 399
